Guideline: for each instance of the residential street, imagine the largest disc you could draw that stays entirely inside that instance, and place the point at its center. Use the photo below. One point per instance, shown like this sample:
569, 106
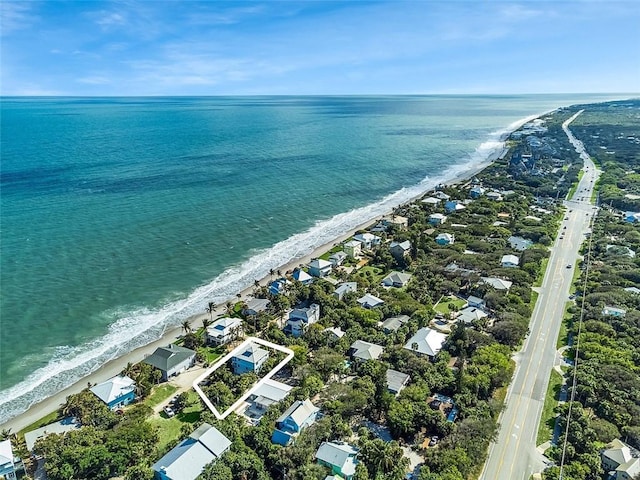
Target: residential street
514, 456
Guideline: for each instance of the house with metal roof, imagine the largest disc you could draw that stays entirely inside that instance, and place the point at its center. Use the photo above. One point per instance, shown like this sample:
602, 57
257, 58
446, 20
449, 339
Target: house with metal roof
396, 381
255, 306
497, 283
362, 351
7, 460
190, 457
268, 392
368, 240
320, 268
223, 330
302, 276
296, 418
171, 360
471, 314
393, 324
250, 359
396, 279
400, 250
509, 261
370, 301
353, 249
338, 258
345, 288
116, 392
300, 319
339, 457
426, 342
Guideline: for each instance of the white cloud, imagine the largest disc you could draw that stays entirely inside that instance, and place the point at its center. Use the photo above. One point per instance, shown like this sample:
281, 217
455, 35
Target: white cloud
94, 80
15, 16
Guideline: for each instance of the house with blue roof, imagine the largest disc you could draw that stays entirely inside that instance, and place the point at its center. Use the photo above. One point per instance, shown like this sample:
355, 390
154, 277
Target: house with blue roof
296, 418
223, 330
250, 359
116, 392
189, 458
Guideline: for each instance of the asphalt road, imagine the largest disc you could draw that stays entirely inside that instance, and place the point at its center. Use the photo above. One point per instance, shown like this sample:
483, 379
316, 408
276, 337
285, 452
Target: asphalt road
513, 456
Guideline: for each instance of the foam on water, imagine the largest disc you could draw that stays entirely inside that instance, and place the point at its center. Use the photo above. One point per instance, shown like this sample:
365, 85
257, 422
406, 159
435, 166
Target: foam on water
141, 327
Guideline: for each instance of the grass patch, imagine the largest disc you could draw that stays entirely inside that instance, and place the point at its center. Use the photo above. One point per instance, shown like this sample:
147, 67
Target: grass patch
159, 394
209, 354
543, 269
534, 299
46, 420
170, 429
372, 274
548, 417
563, 335
443, 306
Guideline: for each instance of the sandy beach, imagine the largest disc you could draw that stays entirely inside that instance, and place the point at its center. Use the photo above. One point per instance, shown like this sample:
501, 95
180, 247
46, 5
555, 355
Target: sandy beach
112, 368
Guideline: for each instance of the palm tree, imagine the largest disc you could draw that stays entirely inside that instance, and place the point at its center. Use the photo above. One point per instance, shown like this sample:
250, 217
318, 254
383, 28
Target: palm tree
271, 272
229, 308
186, 326
210, 309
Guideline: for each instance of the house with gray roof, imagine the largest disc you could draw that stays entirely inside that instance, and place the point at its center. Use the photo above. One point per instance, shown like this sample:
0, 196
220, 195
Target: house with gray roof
255, 306
509, 261
396, 381
339, 457
361, 351
437, 219
519, 243
396, 279
370, 301
497, 283
171, 360
345, 288
620, 461
400, 250
190, 457
338, 258
393, 324
268, 393
300, 319
60, 427
296, 418
302, 276
471, 314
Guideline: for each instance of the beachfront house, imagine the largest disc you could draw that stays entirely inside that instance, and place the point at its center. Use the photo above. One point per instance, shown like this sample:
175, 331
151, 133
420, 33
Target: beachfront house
445, 239
255, 306
302, 276
60, 427
396, 279
278, 286
116, 392
171, 360
426, 342
400, 250
7, 461
441, 195
344, 288
338, 258
250, 359
437, 219
396, 381
296, 418
320, 268
339, 457
370, 301
223, 330
509, 261
300, 319
368, 240
188, 459
361, 351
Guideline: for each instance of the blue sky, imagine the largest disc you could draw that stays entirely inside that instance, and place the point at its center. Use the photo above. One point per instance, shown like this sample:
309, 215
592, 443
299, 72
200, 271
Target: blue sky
286, 47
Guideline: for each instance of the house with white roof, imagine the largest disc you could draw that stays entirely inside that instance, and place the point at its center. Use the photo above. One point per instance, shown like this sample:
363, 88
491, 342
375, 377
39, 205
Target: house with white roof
396, 279
339, 457
437, 219
509, 261
497, 283
620, 461
361, 351
441, 195
353, 249
445, 239
471, 314
634, 290
432, 201
296, 418
7, 461
453, 206
320, 268
190, 457
268, 392
300, 319
614, 311
223, 330
426, 342
250, 359
370, 301
368, 240
337, 332
345, 288
302, 276
116, 392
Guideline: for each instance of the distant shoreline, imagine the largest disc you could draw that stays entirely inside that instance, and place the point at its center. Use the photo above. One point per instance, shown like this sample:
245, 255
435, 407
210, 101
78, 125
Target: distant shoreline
116, 365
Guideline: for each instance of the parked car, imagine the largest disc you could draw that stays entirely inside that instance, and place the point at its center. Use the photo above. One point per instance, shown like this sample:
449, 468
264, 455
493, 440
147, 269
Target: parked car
169, 411
569, 266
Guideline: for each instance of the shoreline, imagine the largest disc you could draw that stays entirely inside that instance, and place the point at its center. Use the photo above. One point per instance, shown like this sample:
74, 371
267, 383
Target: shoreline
116, 365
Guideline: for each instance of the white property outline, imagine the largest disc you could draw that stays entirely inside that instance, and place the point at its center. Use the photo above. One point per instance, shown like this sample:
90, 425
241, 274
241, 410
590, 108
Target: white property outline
258, 384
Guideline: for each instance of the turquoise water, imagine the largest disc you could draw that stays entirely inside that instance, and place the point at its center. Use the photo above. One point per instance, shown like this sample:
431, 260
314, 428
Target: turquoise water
123, 216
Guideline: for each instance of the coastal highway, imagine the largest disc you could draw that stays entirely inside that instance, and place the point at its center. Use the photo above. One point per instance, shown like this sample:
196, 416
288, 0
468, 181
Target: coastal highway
513, 456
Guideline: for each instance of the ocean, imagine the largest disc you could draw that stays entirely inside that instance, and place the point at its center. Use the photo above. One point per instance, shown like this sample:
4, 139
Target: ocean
121, 217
